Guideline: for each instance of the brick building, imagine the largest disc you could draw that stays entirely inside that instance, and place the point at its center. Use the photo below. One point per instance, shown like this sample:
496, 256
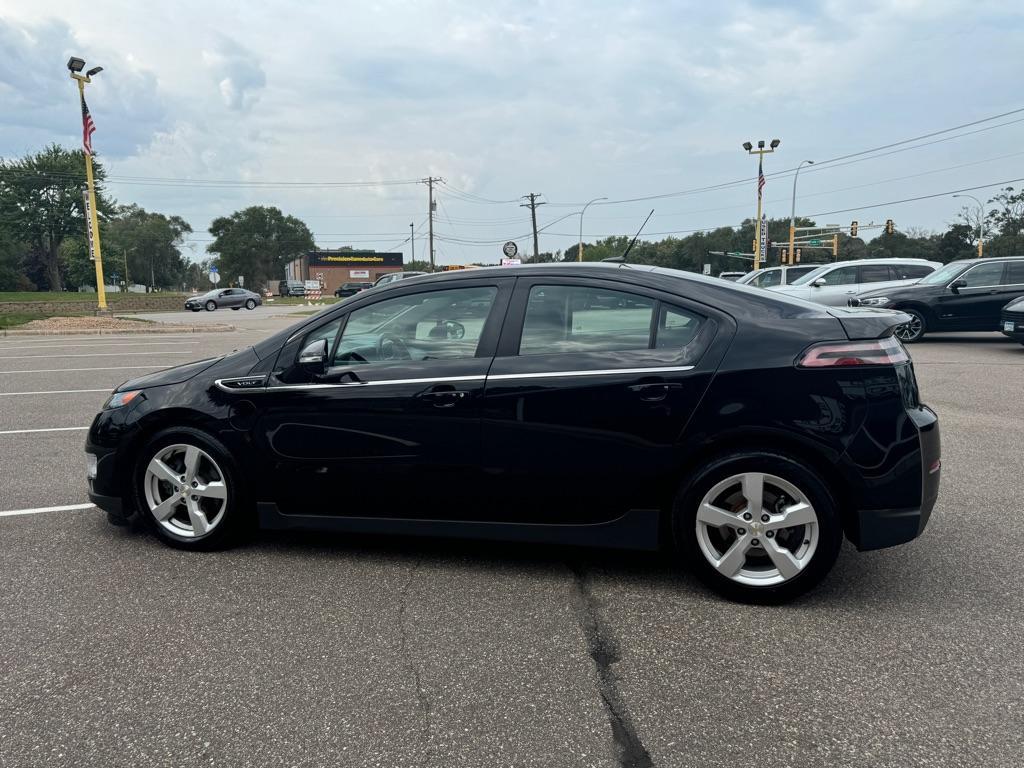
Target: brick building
333, 268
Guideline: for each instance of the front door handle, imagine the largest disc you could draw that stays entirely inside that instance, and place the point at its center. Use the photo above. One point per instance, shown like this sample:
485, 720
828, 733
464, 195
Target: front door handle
443, 398
654, 391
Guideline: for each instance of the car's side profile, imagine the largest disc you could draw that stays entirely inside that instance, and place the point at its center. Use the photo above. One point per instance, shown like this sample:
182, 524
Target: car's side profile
350, 289
224, 298
835, 284
766, 277
588, 404
964, 295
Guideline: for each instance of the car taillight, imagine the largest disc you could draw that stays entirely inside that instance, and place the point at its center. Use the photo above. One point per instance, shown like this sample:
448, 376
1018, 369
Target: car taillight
887, 351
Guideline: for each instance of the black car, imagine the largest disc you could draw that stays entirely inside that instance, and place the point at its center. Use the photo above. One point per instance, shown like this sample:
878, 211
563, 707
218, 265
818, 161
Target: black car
630, 407
1011, 320
291, 288
965, 295
351, 289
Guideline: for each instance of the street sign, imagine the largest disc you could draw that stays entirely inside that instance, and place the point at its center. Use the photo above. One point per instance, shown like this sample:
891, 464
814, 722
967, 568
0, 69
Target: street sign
88, 222
763, 245
214, 275
814, 243
241, 281
707, 269
510, 249
511, 262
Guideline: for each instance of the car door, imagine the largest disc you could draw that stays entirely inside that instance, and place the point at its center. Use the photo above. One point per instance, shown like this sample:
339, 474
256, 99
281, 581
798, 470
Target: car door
974, 299
391, 428
593, 383
838, 286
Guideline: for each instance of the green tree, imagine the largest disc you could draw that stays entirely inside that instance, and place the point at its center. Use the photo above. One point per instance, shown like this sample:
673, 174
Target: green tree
41, 204
150, 243
13, 253
258, 242
417, 266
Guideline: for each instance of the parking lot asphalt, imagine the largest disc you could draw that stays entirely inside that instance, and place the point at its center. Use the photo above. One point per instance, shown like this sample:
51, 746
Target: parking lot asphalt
312, 650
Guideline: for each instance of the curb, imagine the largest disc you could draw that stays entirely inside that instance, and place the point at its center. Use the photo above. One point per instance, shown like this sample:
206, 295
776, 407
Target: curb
118, 331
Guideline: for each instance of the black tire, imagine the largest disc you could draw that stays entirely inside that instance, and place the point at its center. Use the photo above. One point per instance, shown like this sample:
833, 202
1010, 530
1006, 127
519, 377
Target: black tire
250, 304
797, 473
237, 517
211, 305
196, 309
914, 330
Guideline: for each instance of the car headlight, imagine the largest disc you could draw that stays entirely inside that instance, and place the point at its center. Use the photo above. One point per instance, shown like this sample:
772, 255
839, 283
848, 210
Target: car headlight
119, 399
877, 301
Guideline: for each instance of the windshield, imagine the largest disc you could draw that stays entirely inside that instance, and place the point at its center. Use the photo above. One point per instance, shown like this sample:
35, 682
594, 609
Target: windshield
943, 274
811, 276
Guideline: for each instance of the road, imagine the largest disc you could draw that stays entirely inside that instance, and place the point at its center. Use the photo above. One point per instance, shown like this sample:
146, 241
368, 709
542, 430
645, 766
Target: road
313, 650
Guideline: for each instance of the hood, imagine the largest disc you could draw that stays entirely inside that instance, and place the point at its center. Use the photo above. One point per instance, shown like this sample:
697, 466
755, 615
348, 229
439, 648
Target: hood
868, 322
175, 375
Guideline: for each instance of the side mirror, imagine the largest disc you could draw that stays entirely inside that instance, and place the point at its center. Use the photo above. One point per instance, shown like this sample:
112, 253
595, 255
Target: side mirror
314, 357
819, 282
956, 285
454, 329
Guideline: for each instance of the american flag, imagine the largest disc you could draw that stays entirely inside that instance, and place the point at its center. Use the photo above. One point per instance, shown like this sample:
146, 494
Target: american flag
88, 128
760, 179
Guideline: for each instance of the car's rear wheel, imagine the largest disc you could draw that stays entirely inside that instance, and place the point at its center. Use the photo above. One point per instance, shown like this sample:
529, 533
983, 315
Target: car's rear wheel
186, 487
914, 330
211, 305
758, 527
250, 304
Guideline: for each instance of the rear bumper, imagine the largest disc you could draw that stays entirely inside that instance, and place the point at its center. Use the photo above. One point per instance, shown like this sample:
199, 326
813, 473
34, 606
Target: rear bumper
880, 528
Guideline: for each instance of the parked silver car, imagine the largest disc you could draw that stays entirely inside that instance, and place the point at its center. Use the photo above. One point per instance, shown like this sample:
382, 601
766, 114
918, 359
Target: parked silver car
834, 284
784, 275
235, 298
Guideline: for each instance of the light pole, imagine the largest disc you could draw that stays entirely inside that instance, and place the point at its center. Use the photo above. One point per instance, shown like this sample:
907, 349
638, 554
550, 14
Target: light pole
760, 152
981, 221
792, 211
75, 67
412, 242
579, 248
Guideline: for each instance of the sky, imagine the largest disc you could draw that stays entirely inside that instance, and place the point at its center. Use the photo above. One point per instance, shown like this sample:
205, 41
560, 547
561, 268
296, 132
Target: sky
333, 111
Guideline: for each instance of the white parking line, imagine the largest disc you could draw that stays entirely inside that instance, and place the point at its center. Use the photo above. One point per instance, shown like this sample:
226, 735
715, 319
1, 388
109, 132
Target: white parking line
99, 354
55, 392
19, 347
37, 510
73, 370
48, 429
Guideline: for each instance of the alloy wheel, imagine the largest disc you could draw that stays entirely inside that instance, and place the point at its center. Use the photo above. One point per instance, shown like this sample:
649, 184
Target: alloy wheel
757, 529
185, 490
910, 331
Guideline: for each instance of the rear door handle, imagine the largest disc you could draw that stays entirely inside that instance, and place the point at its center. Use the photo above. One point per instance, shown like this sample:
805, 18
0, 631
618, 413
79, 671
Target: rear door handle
444, 398
654, 391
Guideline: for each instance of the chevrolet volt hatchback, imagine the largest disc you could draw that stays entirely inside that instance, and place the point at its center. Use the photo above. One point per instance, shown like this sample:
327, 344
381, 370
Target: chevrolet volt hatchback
578, 404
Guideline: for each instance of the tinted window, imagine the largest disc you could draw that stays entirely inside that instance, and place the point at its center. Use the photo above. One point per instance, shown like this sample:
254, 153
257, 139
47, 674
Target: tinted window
795, 273
1014, 273
983, 274
767, 278
874, 273
435, 325
841, 276
676, 328
911, 271
562, 318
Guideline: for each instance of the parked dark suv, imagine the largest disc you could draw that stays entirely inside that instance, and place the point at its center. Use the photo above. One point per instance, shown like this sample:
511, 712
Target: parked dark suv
351, 289
590, 404
965, 295
291, 288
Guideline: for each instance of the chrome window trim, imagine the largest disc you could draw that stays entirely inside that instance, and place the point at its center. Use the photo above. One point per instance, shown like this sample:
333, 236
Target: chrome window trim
220, 383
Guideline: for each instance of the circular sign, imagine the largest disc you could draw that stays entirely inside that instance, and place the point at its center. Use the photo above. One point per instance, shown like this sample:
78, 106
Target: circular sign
510, 249
214, 276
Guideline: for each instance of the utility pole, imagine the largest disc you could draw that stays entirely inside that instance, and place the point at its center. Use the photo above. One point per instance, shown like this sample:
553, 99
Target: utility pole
429, 181
532, 205
412, 242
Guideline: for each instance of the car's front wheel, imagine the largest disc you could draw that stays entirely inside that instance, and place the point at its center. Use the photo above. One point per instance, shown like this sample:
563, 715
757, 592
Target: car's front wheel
211, 305
187, 489
250, 304
758, 527
911, 331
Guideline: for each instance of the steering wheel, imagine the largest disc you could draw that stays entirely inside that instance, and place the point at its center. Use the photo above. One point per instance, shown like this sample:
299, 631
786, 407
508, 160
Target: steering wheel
391, 347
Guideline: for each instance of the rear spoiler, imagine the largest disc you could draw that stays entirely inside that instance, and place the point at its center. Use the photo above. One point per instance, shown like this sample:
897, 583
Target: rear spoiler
868, 322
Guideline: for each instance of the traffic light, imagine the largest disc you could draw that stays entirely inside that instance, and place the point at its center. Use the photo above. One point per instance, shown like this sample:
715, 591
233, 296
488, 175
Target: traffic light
798, 255
853, 228
889, 227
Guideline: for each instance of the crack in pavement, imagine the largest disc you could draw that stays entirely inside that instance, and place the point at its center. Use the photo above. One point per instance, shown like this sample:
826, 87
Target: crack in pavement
423, 702
605, 652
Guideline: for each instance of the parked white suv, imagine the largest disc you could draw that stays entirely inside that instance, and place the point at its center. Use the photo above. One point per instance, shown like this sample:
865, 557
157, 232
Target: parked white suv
784, 275
834, 284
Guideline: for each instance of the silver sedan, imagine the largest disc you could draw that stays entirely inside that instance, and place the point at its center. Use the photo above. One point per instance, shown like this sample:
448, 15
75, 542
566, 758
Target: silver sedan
235, 298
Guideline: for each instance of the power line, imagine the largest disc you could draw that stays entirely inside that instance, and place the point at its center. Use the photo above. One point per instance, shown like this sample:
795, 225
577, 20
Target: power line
913, 199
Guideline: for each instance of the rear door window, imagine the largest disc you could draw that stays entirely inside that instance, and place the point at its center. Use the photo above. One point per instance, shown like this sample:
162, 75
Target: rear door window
569, 318
768, 278
984, 275
911, 271
840, 276
1015, 273
874, 273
